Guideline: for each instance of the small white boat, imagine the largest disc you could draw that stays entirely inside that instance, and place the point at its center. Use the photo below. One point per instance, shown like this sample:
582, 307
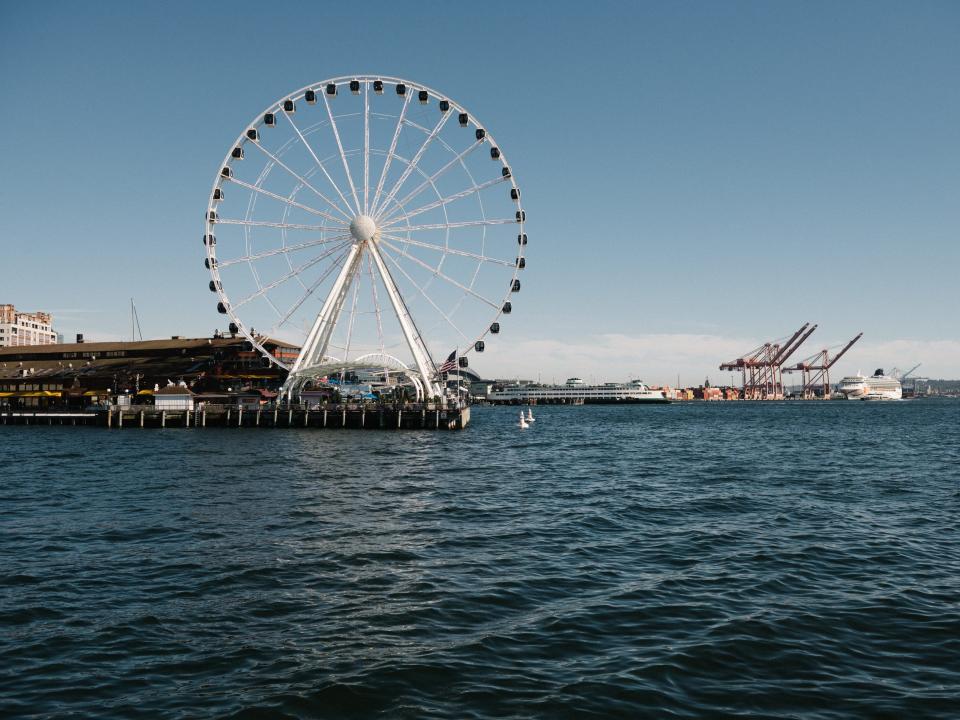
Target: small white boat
530, 417
523, 422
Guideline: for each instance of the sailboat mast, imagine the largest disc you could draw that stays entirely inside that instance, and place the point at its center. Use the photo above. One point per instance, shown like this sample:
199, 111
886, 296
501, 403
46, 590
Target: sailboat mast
134, 323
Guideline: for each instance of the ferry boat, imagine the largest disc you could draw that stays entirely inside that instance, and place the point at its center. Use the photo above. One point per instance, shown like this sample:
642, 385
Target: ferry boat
576, 392
876, 387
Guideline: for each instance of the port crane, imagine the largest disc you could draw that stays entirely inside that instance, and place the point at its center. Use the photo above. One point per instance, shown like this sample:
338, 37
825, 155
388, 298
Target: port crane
816, 371
911, 389
909, 372
762, 367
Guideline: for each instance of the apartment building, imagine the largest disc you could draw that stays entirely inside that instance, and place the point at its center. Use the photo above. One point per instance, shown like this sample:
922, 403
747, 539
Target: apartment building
20, 328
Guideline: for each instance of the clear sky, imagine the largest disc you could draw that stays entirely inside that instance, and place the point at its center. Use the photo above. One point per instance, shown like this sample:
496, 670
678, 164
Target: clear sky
698, 177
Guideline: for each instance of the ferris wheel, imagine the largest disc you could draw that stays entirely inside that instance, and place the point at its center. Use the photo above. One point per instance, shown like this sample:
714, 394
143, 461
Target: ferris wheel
365, 217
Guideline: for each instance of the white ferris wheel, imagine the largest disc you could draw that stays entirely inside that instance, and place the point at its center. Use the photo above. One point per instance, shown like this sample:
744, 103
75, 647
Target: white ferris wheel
370, 221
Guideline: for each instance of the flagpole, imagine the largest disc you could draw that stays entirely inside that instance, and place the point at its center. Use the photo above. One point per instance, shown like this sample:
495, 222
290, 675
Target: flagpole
447, 368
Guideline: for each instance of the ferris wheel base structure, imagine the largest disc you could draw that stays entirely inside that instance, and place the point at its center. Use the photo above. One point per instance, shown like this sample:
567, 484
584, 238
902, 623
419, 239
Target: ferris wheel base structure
313, 363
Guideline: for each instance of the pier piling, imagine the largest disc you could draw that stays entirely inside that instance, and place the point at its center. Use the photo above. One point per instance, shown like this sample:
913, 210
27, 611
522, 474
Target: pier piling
349, 415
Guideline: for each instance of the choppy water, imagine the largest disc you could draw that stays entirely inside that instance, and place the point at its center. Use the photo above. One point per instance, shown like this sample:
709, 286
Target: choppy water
699, 560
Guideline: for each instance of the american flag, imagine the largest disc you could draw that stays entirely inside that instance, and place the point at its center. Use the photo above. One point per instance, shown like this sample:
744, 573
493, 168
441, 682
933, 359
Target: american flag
449, 364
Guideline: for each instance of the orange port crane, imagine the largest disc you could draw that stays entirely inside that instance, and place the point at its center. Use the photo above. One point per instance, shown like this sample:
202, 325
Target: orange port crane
816, 371
761, 368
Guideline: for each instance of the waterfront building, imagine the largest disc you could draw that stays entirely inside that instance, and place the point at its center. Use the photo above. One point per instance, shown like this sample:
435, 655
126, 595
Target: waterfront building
173, 397
76, 375
20, 328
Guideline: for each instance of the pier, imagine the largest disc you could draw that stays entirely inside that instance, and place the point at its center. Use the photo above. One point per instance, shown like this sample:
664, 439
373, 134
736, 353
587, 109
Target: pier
357, 416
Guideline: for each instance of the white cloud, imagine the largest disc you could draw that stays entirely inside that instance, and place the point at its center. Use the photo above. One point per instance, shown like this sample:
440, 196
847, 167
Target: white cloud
656, 358
659, 358
939, 358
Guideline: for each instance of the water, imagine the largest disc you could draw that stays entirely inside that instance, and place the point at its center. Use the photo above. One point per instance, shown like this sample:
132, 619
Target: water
691, 560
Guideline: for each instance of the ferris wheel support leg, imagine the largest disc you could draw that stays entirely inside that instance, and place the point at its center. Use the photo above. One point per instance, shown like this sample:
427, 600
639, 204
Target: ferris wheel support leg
318, 340
417, 347
418, 386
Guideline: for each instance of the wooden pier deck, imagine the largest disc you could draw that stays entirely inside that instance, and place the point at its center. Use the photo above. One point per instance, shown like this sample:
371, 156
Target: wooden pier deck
353, 416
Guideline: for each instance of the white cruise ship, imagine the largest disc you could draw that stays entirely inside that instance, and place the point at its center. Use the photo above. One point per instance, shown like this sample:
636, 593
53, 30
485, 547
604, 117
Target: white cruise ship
576, 392
876, 387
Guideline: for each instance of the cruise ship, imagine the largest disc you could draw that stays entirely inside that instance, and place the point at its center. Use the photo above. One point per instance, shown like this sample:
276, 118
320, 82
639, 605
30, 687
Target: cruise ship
576, 392
876, 387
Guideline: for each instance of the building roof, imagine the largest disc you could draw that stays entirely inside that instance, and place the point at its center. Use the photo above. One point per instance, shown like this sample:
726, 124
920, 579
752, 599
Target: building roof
173, 390
153, 360
98, 348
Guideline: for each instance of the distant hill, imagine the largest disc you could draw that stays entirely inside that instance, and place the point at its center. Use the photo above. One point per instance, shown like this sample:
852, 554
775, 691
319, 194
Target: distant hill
935, 387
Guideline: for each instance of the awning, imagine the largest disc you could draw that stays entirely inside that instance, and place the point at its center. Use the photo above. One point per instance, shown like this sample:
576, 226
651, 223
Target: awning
145, 392
34, 393
247, 376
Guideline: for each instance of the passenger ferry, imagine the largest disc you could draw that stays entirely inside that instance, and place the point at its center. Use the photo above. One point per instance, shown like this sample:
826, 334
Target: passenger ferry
876, 387
576, 392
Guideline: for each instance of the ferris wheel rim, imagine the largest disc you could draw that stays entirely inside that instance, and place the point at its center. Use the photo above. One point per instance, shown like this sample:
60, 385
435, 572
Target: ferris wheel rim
379, 206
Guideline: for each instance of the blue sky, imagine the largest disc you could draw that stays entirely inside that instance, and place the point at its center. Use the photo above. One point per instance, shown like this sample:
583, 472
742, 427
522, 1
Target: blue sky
698, 177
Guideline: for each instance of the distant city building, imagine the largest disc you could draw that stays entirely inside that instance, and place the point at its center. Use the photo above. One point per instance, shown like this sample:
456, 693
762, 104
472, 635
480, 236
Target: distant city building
20, 328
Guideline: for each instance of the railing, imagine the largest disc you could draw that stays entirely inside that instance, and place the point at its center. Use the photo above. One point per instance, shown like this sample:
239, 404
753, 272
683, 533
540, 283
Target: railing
216, 408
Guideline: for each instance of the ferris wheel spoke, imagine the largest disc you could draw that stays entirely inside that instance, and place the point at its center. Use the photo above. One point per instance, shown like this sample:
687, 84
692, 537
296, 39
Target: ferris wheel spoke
450, 250
281, 250
293, 273
343, 155
450, 226
337, 263
320, 165
431, 180
441, 201
287, 226
419, 289
366, 146
286, 201
376, 304
299, 177
391, 151
436, 271
416, 159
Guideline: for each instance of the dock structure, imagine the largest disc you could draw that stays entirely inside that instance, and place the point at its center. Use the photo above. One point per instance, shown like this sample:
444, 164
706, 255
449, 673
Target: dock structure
418, 416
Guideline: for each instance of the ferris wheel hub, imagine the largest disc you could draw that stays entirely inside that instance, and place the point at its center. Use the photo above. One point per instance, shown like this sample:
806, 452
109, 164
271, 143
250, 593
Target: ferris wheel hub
363, 228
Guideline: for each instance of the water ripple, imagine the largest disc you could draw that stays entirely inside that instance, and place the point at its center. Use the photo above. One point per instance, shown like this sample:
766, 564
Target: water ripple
702, 560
